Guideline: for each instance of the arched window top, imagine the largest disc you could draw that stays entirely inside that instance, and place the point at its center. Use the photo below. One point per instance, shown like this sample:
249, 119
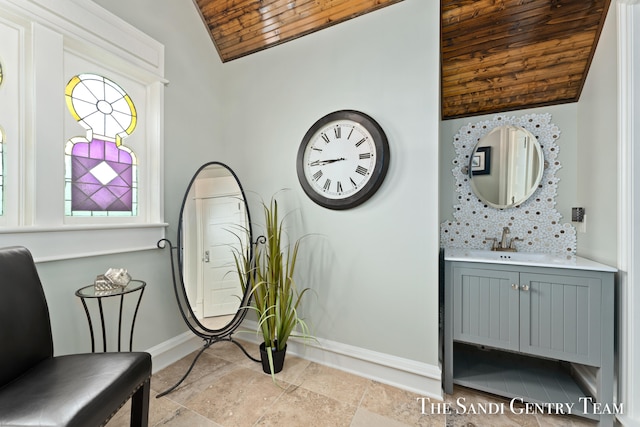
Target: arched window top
101, 106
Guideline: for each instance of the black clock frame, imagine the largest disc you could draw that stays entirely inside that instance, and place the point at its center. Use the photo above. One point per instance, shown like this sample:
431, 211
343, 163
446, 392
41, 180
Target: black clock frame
377, 174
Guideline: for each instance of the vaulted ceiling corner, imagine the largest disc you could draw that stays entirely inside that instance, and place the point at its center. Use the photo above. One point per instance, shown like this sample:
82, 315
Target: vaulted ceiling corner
496, 55
242, 27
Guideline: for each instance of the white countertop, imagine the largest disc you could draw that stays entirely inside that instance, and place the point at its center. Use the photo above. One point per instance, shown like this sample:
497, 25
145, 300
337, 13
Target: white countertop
525, 258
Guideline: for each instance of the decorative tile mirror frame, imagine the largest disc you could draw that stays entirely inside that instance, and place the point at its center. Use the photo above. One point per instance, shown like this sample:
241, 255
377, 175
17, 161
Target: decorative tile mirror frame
536, 220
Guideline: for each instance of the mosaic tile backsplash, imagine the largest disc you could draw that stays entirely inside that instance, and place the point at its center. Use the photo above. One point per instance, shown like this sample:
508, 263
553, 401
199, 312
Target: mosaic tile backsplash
536, 220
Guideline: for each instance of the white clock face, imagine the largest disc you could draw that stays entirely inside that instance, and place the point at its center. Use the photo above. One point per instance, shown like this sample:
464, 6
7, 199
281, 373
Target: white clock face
339, 159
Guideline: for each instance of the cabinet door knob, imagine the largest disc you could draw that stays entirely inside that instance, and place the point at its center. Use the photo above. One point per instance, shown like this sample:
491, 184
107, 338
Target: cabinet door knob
524, 287
514, 286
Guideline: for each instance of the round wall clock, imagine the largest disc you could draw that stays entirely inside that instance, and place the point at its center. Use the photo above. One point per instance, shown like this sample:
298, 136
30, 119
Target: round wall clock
343, 159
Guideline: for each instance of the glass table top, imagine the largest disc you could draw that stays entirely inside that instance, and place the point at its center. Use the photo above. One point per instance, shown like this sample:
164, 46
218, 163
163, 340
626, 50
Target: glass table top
91, 292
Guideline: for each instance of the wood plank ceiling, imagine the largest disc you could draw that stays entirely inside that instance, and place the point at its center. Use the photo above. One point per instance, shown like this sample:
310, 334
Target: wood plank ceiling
501, 55
496, 55
242, 27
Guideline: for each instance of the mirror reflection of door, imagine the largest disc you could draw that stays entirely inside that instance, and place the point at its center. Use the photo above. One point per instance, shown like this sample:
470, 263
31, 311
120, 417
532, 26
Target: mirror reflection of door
220, 286
516, 167
214, 218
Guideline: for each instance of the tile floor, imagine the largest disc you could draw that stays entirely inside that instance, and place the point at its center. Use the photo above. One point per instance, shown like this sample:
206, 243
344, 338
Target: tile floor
227, 389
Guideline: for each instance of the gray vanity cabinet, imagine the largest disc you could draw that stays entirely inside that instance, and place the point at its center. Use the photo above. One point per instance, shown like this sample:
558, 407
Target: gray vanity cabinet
485, 307
560, 316
549, 315
500, 320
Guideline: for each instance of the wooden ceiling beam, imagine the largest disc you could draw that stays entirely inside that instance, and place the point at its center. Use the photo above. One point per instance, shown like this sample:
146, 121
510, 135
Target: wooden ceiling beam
501, 55
241, 27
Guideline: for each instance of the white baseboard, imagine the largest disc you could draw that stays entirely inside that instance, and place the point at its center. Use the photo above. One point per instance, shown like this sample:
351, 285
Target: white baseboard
174, 349
416, 377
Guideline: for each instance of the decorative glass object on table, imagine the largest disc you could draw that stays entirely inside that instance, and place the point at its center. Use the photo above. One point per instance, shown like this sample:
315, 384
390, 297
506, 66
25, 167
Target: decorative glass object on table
113, 279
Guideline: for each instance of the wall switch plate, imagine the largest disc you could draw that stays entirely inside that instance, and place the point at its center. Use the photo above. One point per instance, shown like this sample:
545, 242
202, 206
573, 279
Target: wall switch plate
577, 214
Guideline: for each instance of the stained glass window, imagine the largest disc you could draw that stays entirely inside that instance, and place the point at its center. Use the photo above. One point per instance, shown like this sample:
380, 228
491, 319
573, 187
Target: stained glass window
100, 172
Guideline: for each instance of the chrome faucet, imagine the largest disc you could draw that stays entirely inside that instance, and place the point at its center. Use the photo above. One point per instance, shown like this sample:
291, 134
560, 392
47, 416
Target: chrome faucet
506, 243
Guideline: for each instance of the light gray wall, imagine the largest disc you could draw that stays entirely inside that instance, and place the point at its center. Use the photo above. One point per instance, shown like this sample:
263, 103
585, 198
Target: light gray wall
597, 166
373, 268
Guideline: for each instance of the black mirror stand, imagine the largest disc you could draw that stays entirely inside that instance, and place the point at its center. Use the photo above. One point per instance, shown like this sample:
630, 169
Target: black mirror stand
209, 337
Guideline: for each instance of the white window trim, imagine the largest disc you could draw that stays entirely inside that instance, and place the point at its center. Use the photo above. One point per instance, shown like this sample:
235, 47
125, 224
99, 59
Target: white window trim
37, 220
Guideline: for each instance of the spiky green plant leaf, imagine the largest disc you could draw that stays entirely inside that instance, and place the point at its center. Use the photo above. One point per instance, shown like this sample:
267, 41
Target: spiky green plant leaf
269, 276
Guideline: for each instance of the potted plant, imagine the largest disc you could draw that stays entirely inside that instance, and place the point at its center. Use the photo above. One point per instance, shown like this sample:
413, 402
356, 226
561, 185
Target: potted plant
275, 296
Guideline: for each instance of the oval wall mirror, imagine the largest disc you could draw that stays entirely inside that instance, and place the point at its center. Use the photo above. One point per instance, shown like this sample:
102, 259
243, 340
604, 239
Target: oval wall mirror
214, 224
506, 166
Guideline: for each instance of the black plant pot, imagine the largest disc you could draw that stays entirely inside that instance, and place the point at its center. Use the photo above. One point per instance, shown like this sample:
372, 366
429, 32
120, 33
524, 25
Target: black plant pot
278, 359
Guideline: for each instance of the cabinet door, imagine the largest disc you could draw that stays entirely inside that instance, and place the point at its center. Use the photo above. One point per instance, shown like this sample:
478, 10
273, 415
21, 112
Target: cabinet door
560, 317
485, 307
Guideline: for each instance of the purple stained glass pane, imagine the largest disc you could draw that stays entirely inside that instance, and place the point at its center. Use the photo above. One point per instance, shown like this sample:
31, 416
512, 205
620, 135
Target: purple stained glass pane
103, 197
111, 152
125, 157
96, 149
88, 178
102, 178
120, 192
80, 149
121, 203
125, 174
119, 182
81, 169
81, 197
119, 167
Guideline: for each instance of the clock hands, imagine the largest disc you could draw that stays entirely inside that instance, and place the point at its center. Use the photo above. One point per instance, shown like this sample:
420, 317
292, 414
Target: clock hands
325, 162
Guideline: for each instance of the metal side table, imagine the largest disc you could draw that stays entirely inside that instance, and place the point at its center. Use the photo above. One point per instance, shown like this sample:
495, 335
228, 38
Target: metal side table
89, 292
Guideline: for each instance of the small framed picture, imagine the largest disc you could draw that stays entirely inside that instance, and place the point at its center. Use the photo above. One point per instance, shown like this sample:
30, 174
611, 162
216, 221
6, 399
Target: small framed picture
481, 161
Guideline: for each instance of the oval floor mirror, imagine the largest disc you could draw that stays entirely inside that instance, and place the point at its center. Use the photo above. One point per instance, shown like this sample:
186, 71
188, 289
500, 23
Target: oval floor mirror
214, 224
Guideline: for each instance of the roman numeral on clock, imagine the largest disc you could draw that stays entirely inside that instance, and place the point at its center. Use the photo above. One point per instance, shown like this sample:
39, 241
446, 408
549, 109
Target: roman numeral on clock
325, 137
359, 143
317, 175
339, 187
327, 184
361, 170
337, 130
365, 156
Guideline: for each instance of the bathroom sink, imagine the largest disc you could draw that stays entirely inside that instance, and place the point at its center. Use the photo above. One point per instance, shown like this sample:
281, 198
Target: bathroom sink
523, 258
512, 256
